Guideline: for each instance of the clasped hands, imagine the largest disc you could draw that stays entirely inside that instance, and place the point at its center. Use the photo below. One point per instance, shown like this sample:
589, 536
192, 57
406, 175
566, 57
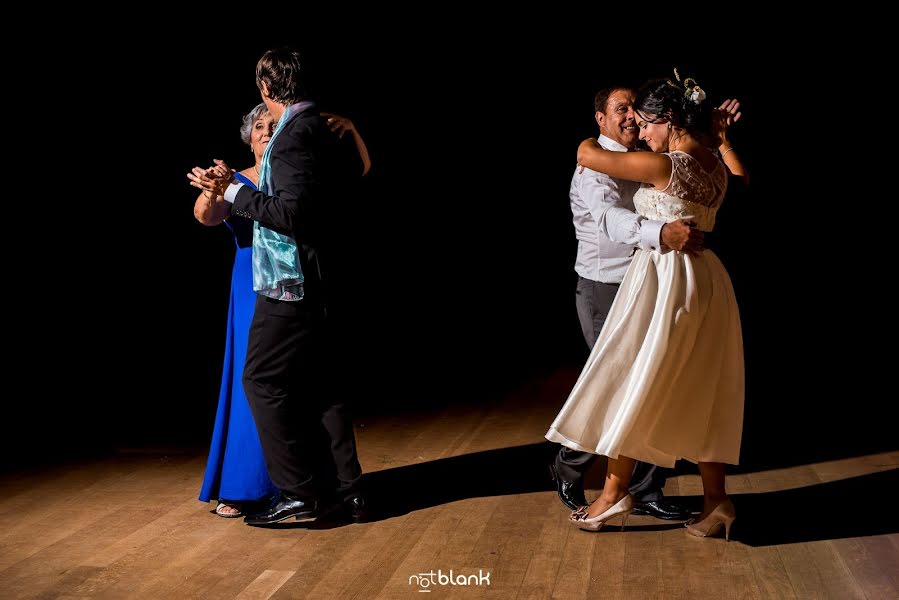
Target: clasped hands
683, 236
214, 179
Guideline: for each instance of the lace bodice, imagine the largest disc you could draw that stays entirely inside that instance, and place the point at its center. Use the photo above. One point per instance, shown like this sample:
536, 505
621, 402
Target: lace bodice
692, 193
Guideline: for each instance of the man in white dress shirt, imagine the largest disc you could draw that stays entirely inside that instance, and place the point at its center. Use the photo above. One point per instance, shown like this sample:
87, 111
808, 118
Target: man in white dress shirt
608, 232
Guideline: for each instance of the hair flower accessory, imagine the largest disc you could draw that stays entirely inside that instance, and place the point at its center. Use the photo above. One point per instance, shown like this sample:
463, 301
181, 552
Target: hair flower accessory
693, 92
697, 94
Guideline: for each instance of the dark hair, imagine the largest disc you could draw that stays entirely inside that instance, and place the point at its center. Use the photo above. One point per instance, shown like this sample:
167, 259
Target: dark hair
280, 70
667, 100
602, 96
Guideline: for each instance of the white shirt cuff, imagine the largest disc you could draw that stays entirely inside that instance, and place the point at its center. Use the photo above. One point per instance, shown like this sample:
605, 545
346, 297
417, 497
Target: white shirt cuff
650, 235
231, 192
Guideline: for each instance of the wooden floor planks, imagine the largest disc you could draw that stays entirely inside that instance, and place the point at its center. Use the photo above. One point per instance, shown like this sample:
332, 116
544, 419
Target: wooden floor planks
128, 526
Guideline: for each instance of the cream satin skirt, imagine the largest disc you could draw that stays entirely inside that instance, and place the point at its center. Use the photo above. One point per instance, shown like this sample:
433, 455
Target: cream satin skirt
665, 378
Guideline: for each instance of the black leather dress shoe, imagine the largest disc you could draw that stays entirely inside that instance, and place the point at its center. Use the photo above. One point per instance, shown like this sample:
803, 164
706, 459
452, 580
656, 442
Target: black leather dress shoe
353, 509
662, 509
282, 508
571, 493
356, 508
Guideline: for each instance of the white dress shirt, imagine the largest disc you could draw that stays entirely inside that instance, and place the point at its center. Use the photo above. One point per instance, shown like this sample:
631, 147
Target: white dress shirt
605, 223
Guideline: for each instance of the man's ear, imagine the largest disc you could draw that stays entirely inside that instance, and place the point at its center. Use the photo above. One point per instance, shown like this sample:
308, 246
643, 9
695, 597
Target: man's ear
264, 90
600, 118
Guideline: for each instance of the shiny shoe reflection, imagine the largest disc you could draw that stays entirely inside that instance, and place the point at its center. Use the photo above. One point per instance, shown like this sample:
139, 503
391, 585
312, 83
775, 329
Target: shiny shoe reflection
622, 508
724, 515
663, 508
571, 493
284, 507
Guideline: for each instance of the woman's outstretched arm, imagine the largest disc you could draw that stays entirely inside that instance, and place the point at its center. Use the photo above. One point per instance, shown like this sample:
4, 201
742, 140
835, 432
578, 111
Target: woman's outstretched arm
726, 115
341, 125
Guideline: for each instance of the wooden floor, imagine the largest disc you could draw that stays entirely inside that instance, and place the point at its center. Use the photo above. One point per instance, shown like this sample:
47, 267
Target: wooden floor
460, 489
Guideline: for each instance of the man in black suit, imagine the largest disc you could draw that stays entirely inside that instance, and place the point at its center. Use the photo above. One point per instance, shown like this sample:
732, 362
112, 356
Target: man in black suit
305, 430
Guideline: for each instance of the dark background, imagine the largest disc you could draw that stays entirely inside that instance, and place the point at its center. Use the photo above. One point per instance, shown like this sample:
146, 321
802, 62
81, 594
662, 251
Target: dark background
457, 279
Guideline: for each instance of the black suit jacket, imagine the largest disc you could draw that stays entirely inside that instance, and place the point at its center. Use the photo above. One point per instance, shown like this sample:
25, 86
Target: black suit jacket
311, 172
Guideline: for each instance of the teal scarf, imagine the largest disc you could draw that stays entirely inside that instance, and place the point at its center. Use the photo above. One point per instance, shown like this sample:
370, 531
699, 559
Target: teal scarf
276, 259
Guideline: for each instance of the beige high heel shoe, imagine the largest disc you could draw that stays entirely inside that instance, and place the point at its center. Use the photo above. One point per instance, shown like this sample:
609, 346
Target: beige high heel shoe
623, 507
724, 514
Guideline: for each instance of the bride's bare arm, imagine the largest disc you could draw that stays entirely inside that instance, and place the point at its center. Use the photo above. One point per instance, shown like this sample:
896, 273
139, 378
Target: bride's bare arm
726, 115
647, 167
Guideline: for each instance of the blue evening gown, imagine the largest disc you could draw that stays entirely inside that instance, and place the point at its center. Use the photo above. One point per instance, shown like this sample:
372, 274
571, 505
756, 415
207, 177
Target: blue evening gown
236, 469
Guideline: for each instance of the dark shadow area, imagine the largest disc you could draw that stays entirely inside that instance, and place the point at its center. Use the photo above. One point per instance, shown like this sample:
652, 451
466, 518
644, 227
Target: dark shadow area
614, 526
827, 511
500, 472
834, 510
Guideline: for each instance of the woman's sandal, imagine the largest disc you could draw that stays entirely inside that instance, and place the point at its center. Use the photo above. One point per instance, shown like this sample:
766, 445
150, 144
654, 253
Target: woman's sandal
222, 510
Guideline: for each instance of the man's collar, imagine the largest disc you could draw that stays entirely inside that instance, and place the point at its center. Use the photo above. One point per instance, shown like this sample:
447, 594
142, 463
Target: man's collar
610, 144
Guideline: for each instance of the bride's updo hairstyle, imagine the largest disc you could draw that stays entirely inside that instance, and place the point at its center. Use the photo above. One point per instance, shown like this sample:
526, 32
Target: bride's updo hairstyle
682, 105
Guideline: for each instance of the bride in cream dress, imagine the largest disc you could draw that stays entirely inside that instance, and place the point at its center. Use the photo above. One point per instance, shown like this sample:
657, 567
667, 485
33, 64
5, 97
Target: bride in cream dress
665, 378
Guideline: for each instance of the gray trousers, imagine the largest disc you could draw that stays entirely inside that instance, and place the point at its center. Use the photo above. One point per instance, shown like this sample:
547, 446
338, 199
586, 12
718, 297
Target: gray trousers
594, 299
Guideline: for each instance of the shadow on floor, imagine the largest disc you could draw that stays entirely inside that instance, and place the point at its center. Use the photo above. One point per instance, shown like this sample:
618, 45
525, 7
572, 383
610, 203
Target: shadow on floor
500, 472
839, 509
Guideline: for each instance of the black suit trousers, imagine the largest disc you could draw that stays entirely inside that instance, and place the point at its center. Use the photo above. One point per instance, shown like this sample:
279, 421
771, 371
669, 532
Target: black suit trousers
304, 426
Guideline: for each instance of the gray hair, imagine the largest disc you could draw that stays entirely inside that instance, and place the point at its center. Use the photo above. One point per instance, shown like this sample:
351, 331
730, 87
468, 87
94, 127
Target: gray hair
247, 127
